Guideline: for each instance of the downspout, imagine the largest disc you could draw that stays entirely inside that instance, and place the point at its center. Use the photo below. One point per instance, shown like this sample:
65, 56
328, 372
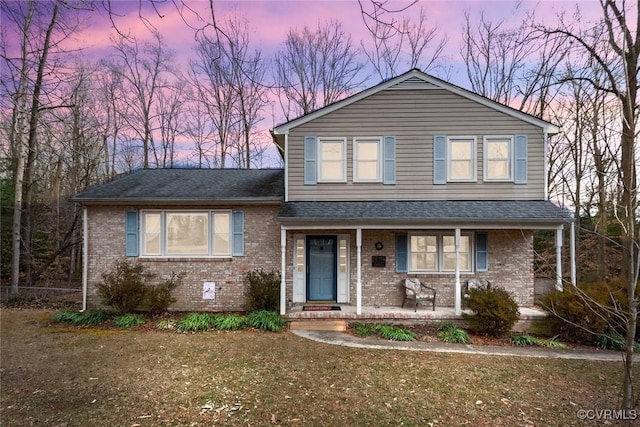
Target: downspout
283, 269
358, 271
85, 256
458, 295
546, 164
286, 167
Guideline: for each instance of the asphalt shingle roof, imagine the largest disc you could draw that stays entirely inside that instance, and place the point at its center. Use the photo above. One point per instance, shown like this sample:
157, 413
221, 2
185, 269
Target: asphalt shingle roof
432, 212
189, 185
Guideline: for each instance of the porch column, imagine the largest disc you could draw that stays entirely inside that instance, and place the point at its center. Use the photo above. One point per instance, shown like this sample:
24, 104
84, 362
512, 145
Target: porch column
358, 270
283, 271
559, 259
458, 293
85, 256
572, 246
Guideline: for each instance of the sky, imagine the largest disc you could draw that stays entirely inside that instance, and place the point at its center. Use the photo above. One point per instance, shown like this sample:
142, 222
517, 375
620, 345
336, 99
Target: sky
270, 20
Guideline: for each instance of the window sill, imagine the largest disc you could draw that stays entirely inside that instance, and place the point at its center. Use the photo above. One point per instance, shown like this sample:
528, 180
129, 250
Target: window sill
186, 259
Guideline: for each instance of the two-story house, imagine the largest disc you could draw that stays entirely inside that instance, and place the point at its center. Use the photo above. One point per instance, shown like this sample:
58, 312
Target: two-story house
414, 177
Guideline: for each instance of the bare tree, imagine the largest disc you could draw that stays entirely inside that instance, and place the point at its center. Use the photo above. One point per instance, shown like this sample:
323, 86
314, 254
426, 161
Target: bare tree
316, 68
404, 45
621, 81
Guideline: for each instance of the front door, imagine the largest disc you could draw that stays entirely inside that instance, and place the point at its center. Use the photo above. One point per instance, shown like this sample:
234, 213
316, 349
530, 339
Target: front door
321, 268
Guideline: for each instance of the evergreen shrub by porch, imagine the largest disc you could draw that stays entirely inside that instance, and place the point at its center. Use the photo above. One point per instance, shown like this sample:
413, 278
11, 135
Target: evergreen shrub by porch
588, 313
495, 311
262, 290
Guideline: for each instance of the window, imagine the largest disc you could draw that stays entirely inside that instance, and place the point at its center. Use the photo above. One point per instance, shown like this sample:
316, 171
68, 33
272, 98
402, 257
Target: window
461, 158
498, 164
437, 252
332, 157
367, 155
180, 233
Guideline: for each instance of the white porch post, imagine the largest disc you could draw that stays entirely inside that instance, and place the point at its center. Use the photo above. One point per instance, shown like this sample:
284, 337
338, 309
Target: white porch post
559, 259
358, 270
458, 295
283, 270
572, 246
85, 256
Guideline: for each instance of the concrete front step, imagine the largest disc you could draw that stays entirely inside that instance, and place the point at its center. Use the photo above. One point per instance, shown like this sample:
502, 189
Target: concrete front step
319, 325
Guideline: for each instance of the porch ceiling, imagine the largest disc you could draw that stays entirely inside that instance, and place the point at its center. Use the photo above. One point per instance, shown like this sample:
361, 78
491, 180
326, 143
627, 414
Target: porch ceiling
523, 213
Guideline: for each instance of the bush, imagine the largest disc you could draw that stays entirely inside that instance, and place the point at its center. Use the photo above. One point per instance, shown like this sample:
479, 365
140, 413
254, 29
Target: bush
125, 288
449, 332
587, 314
85, 318
158, 298
263, 290
266, 321
495, 311
128, 321
196, 322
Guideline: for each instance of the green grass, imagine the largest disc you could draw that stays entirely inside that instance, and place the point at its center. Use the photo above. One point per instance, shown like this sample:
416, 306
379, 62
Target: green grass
394, 333
85, 318
127, 321
521, 339
450, 332
363, 329
266, 321
229, 322
196, 322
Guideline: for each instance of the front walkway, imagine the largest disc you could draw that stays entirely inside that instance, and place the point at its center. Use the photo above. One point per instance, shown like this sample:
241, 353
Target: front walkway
341, 338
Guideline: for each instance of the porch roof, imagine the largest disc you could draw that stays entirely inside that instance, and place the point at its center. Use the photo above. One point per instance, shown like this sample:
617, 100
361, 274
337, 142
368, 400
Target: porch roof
432, 212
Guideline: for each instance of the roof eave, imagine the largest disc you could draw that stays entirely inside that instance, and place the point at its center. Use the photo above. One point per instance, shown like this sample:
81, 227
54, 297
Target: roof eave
172, 201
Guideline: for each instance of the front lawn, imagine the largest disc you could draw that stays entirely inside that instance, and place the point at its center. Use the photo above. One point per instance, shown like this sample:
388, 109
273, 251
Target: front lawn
55, 374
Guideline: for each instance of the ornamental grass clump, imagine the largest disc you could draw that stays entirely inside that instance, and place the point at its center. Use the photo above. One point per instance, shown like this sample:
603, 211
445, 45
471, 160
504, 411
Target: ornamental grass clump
196, 322
129, 320
394, 333
450, 332
85, 318
229, 322
266, 320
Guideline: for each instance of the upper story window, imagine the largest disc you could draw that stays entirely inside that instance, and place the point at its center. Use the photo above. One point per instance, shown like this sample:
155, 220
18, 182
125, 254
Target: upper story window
179, 233
498, 155
461, 158
367, 159
332, 159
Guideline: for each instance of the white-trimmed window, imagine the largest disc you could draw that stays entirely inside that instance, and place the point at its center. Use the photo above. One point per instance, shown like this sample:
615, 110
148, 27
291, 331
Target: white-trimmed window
498, 158
367, 159
434, 252
332, 159
186, 233
461, 158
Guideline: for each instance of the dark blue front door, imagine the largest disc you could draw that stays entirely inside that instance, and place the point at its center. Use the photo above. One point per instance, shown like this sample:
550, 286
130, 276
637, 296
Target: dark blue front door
321, 273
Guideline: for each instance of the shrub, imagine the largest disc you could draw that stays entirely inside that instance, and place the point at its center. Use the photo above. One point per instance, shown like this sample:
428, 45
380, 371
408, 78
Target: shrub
394, 333
85, 318
158, 298
196, 322
263, 290
229, 322
363, 329
124, 289
128, 321
266, 320
495, 311
449, 332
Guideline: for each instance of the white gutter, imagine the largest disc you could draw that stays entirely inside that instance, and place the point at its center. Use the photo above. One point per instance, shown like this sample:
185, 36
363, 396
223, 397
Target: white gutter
85, 256
546, 164
286, 167
358, 271
283, 269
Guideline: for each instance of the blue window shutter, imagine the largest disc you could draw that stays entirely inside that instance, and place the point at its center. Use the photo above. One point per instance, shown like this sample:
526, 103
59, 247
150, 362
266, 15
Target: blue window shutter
131, 231
238, 233
439, 159
520, 160
389, 165
401, 253
482, 258
310, 160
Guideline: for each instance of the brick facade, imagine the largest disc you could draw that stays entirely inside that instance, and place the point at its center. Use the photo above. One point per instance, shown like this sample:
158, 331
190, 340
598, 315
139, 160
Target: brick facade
510, 263
262, 250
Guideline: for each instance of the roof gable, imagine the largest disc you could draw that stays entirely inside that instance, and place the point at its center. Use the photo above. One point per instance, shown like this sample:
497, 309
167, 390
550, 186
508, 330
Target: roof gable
413, 79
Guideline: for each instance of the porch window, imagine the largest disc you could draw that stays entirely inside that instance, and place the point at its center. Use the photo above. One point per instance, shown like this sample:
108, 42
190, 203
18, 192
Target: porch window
181, 233
436, 253
332, 159
498, 164
367, 155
